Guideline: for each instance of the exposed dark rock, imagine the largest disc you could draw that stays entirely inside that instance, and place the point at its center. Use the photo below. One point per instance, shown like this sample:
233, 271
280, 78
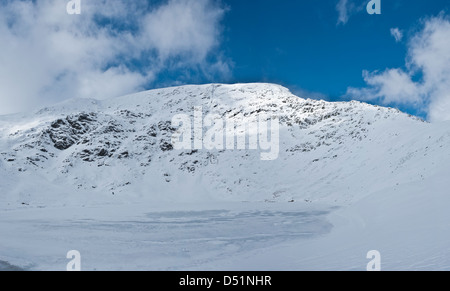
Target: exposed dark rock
165, 146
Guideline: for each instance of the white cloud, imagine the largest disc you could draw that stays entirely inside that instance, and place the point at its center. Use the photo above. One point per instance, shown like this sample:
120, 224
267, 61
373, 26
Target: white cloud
392, 86
397, 34
429, 60
342, 9
346, 8
47, 55
183, 27
115, 81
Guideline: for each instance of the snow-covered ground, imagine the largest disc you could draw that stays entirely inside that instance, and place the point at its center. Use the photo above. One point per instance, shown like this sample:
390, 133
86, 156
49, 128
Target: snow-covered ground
100, 177
153, 237
409, 227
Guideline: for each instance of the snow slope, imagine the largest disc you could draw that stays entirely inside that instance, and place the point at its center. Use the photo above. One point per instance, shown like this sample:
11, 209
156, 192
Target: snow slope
122, 146
358, 177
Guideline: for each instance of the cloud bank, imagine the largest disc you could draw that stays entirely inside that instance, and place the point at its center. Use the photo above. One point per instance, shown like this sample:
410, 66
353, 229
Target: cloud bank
113, 48
424, 84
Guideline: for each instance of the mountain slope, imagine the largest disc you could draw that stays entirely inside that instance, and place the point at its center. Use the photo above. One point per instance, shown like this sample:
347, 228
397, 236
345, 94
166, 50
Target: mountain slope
104, 178
329, 152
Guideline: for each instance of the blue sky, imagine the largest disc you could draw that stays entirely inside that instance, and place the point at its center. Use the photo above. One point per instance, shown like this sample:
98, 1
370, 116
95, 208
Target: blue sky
300, 45
329, 49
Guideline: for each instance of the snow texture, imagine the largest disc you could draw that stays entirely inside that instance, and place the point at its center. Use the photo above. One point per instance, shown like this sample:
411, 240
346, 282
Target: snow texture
102, 177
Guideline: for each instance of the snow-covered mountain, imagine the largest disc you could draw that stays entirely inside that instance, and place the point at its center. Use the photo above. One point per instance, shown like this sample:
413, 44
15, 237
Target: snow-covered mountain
333, 152
104, 178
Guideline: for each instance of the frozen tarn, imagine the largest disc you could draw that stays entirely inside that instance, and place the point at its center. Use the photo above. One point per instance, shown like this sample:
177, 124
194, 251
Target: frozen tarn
131, 238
